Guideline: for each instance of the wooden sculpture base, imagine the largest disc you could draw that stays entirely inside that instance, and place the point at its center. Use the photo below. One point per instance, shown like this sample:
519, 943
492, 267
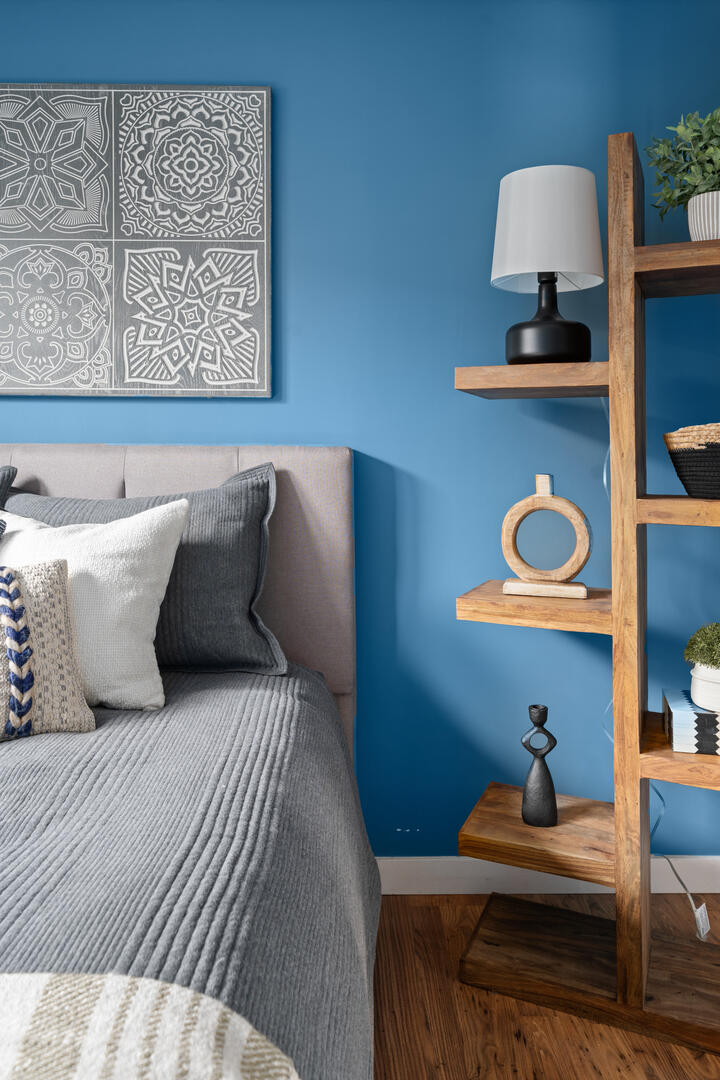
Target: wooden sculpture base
571, 589
566, 960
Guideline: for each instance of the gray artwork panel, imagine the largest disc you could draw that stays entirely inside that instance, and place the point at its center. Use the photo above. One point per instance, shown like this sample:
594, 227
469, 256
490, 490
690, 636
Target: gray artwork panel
55, 163
190, 165
134, 240
55, 317
189, 315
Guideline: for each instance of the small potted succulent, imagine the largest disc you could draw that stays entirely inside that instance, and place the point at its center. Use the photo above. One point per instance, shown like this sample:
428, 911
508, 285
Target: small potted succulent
687, 168
703, 651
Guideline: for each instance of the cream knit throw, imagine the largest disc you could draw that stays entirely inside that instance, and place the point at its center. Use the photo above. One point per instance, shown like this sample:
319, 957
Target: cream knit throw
117, 1027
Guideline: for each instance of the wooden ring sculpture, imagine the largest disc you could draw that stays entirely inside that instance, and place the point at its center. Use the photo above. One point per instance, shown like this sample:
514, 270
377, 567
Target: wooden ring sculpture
531, 580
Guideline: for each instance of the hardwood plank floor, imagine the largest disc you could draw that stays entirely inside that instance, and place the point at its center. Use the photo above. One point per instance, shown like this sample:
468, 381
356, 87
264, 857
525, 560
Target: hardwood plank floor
430, 1026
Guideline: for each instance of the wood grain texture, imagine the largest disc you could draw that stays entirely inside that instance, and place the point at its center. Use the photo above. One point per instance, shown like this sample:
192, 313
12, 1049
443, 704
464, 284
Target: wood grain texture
688, 269
541, 953
544, 484
677, 510
534, 380
581, 845
543, 499
627, 456
566, 960
430, 1026
487, 603
659, 761
574, 590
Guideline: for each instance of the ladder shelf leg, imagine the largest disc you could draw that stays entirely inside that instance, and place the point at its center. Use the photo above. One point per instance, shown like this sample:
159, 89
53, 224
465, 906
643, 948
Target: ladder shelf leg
627, 440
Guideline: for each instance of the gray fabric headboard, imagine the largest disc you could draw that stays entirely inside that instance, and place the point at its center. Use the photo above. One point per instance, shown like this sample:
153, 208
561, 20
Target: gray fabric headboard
309, 597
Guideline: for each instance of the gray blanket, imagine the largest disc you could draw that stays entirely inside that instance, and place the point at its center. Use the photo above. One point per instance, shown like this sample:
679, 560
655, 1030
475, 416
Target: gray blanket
217, 844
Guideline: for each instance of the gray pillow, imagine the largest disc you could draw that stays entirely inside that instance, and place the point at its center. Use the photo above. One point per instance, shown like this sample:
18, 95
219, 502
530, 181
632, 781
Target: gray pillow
208, 618
7, 475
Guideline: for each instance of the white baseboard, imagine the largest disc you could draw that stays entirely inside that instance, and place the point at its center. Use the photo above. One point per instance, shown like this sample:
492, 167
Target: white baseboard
458, 874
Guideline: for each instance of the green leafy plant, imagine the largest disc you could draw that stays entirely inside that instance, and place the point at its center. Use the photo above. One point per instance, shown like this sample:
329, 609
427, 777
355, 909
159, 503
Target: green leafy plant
687, 164
704, 646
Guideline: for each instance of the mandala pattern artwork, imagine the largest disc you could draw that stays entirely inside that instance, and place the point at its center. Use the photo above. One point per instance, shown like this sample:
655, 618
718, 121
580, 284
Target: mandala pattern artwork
191, 165
134, 242
54, 164
190, 319
55, 315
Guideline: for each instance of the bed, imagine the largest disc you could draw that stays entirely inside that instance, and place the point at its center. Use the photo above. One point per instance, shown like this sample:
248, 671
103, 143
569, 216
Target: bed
217, 844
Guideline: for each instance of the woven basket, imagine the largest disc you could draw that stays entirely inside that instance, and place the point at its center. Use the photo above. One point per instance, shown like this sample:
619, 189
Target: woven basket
695, 453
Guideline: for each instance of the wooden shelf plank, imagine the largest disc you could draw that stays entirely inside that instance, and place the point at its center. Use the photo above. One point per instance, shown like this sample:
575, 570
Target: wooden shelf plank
534, 380
535, 951
488, 603
566, 960
658, 761
677, 510
581, 845
688, 269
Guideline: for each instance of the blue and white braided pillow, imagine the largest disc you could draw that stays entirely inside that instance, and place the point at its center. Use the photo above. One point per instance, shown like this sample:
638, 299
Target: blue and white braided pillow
38, 663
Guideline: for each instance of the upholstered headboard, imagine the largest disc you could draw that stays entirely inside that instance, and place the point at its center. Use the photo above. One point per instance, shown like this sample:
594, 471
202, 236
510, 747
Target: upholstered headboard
309, 597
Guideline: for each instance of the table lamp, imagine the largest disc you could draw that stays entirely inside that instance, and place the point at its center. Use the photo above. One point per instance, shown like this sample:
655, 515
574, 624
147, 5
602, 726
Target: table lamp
547, 237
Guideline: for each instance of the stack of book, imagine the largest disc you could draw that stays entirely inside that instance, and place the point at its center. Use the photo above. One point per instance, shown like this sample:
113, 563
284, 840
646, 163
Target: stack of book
689, 729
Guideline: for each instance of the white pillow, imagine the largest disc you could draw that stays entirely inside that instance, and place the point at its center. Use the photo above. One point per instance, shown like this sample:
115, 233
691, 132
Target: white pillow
118, 575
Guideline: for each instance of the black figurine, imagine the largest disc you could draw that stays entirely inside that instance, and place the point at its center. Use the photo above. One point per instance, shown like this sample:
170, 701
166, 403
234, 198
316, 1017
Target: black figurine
539, 806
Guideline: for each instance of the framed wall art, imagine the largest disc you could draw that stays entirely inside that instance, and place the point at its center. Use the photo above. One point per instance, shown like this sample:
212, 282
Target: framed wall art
135, 240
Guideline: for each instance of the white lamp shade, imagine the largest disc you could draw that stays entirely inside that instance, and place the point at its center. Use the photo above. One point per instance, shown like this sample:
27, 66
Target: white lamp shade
547, 221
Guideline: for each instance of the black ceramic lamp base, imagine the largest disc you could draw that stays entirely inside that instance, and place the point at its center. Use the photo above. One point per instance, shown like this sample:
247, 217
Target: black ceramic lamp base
547, 337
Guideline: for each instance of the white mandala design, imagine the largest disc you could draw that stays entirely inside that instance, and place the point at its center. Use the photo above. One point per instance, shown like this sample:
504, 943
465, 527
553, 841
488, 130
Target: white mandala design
55, 316
189, 321
191, 165
54, 164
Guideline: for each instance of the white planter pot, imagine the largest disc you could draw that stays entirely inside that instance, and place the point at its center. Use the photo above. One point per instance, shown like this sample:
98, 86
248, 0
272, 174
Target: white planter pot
704, 216
705, 687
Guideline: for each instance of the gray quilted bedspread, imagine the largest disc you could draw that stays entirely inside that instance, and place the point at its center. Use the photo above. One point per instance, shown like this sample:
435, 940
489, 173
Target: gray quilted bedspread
218, 844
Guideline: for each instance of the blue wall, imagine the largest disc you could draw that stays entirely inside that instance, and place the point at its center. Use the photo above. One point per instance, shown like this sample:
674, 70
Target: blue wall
393, 123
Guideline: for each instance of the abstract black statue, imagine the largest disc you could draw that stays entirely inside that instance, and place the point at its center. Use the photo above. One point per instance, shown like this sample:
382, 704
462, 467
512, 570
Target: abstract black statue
539, 806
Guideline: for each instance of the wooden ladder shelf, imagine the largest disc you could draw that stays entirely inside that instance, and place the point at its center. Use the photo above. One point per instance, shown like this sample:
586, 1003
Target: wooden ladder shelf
609, 971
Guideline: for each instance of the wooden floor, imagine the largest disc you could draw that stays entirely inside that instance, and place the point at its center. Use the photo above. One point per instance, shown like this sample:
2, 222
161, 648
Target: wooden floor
429, 1026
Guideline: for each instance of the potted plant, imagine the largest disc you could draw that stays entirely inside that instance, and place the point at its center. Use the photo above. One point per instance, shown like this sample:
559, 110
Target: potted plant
703, 651
687, 168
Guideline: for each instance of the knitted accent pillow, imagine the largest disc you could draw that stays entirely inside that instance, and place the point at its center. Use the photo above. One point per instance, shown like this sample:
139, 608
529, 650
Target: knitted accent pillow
40, 686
